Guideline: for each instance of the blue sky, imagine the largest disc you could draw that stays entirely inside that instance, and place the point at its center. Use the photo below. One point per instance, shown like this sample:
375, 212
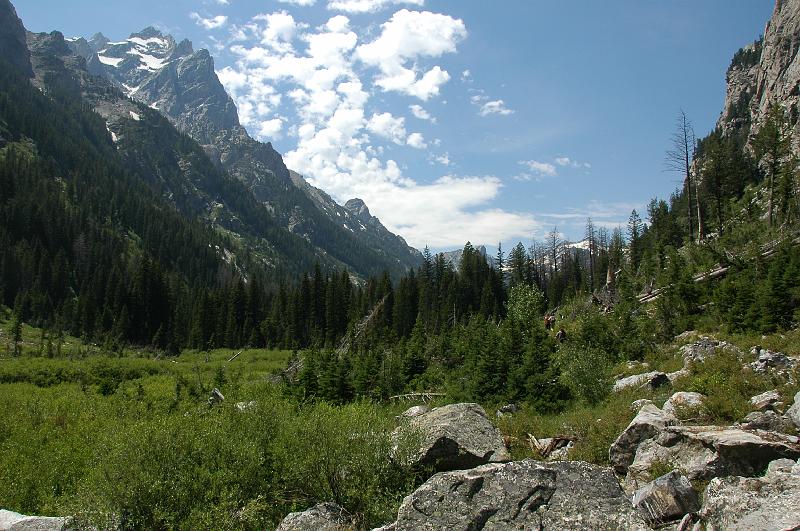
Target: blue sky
460, 120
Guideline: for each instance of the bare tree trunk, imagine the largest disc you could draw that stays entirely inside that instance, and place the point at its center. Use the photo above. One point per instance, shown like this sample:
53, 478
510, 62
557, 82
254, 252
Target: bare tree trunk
699, 212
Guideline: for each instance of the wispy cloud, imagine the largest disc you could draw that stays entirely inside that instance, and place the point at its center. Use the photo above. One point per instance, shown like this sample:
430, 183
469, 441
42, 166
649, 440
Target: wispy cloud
366, 6
209, 23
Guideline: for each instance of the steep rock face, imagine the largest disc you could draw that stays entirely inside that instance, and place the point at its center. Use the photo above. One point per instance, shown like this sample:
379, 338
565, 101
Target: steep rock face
765, 73
13, 45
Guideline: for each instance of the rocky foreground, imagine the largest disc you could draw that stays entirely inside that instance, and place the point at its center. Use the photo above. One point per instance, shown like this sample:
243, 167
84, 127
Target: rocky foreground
744, 476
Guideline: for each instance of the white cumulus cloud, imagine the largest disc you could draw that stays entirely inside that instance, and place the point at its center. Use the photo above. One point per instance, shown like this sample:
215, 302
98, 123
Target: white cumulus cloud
417, 141
209, 23
404, 39
388, 126
420, 113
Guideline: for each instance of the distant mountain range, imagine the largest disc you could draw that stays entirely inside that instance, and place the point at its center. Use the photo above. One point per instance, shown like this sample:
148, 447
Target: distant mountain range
152, 91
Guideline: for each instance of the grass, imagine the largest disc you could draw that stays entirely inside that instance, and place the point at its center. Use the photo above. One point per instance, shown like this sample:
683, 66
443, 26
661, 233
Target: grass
130, 433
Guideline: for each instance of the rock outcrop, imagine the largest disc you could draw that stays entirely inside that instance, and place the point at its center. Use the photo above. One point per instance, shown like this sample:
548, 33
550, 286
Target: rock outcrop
321, 517
13, 45
682, 402
520, 495
705, 452
666, 499
764, 74
746, 503
793, 413
11, 521
648, 380
648, 423
458, 436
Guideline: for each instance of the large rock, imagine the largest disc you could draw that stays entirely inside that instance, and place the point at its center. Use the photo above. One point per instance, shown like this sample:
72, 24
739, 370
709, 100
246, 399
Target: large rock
704, 347
649, 380
457, 436
766, 420
520, 495
668, 498
683, 401
765, 401
321, 517
705, 452
771, 361
648, 423
746, 503
11, 521
793, 413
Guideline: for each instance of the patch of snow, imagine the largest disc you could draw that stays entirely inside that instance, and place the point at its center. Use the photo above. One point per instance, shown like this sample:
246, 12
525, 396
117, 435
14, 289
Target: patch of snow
149, 62
110, 61
161, 43
135, 116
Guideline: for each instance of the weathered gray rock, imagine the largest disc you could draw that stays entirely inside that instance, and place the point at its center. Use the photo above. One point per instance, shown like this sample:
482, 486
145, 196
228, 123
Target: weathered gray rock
216, 397
680, 373
771, 361
793, 413
705, 452
747, 503
520, 495
668, 498
704, 347
650, 380
321, 517
766, 420
457, 436
765, 401
508, 409
414, 411
683, 401
648, 423
636, 405
11, 521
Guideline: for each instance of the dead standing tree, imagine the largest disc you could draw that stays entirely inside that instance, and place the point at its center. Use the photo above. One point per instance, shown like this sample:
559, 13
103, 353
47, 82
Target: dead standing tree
679, 159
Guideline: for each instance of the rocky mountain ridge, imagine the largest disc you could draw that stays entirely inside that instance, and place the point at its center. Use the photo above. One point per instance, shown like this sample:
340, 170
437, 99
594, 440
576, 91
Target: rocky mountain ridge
182, 84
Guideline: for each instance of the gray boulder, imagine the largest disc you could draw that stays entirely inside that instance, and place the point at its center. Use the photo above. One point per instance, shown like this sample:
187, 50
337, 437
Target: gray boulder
454, 437
746, 503
636, 405
704, 347
414, 411
668, 498
766, 420
322, 517
683, 401
11, 521
648, 380
705, 452
769, 360
648, 423
765, 401
793, 413
520, 495
508, 409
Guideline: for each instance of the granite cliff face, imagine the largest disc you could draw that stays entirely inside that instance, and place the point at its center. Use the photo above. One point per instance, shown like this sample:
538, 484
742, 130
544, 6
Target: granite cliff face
182, 85
13, 46
765, 73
